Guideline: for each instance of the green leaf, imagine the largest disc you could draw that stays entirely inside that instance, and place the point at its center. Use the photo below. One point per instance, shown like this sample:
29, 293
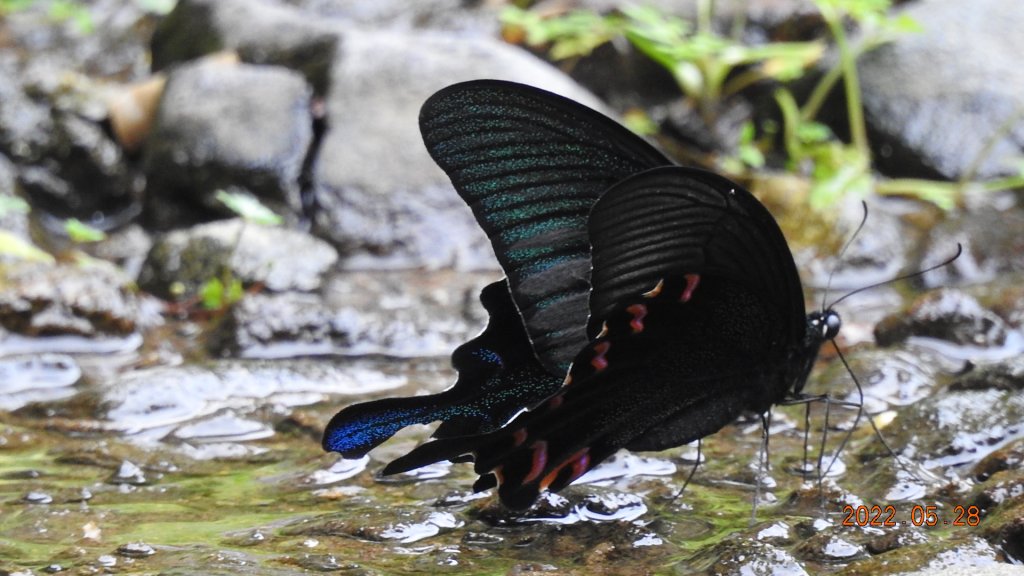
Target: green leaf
249, 208
211, 294
16, 247
214, 294
81, 233
639, 122
14, 204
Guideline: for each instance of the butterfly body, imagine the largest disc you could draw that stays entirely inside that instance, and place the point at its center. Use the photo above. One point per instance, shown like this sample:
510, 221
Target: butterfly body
646, 305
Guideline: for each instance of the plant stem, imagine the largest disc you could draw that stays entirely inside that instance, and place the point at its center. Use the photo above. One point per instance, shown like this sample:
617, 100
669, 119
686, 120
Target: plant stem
851, 81
821, 91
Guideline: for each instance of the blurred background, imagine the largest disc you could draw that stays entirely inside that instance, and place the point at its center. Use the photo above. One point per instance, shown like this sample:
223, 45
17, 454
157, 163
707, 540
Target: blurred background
219, 225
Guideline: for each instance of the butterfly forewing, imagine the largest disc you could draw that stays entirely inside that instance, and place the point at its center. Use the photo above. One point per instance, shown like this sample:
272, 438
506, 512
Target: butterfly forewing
530, 164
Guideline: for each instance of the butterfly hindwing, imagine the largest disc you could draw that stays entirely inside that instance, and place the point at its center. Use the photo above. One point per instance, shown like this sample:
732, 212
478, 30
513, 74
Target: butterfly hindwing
498, 376
531, 164
623, 386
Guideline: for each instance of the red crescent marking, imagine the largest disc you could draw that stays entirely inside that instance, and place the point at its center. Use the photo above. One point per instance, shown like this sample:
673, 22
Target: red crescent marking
579, 461
599, 362
692, 280
540, 460
639, 311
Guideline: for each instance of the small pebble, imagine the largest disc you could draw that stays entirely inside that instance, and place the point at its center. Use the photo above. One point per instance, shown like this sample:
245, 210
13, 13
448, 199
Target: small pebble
38, 498
135, 550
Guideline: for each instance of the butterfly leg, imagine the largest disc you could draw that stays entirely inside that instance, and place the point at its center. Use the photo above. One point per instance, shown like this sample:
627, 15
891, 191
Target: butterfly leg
693, 471
762, 463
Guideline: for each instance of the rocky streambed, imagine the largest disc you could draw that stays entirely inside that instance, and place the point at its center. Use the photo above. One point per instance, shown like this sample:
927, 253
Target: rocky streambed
149, 425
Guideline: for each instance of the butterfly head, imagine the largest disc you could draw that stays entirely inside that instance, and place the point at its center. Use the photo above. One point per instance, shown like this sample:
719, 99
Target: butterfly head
824, 325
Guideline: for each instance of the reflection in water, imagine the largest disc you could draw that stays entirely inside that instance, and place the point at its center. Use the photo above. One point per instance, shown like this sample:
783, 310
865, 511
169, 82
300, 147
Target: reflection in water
36, 378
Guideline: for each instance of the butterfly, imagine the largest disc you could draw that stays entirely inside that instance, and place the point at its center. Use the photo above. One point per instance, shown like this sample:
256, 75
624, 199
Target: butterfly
645, 305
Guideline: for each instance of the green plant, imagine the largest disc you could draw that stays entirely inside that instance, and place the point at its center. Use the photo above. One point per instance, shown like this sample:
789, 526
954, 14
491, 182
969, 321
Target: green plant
82, 233
248, 208
57, 11
13, 246
218, 293
706, 65
9, 204
748, 152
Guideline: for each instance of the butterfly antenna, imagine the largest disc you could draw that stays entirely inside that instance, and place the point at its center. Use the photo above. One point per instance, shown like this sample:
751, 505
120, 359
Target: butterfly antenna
856, 420
946, 262
842, 253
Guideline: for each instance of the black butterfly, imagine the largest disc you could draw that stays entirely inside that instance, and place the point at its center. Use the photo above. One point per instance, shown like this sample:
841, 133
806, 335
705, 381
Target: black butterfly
667, 294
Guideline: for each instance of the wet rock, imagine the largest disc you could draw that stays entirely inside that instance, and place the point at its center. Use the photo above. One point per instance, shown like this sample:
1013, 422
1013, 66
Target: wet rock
107, 39
26, 127
135, 550
128, 473
1011, 538
81, 173
993, 248
379, 196
260, 32
39, 300
949, 315
379, 525
126, 247
1010, 457
963, 554
399, 314
829, 548
222, 125
363, 181
276, 258
893, 539
741, 555
1000, 494
13, 211
479, 18
957, 428
38, 498
941, 100
1005, 375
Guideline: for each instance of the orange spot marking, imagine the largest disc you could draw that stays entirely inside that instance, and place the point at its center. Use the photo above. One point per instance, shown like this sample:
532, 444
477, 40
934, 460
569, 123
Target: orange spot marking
639, 311
599, 362
579, 462
656, 290
692, 280
540, 461
518, 437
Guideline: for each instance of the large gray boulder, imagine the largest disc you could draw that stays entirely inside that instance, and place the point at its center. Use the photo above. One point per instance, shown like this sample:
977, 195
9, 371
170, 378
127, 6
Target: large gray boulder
951, 98
226, 125
377, 194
